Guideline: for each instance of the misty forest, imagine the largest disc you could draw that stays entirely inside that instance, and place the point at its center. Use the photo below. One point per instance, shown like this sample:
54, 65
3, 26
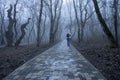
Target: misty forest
28, 28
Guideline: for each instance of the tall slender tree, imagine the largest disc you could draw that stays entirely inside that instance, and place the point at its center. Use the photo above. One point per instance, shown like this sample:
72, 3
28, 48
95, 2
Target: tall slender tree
15, 20
9, 32
39, 23
2, 24
116, 20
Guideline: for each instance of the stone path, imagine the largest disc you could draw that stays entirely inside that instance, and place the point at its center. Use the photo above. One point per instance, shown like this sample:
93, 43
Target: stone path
58, 63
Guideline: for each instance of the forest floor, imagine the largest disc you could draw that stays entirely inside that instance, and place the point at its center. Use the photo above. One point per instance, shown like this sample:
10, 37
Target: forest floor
11, 58
104, 58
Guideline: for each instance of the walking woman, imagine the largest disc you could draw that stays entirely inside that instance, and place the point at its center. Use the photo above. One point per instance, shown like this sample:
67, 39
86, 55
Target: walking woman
68, 35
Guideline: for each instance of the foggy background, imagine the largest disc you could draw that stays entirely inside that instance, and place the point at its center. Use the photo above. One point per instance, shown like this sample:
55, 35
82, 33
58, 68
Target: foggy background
51, 22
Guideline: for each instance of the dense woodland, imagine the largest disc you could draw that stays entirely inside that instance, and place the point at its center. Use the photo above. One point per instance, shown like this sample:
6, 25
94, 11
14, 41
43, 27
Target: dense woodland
42, 21
26, 25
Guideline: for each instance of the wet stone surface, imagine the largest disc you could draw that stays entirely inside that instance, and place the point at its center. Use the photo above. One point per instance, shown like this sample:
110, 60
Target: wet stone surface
58, 63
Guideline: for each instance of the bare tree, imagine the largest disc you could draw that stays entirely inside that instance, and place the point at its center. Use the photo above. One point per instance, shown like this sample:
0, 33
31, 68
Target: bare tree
43, 28
23, 26
32, 26
57, 22
39, 23
12, 23
54, 6
78, 24
15, 20
9, 32
82, 14
2, 24
104, 25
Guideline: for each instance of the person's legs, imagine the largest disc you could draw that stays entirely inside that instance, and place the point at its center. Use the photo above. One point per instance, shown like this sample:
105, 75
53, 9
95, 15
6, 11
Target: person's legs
68, 42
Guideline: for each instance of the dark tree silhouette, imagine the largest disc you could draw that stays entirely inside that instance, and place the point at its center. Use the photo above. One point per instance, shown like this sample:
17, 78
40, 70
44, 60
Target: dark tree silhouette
116, 20
2, 25
9, 33
23, 33
39, 23
12, 23
104, 25
15, 20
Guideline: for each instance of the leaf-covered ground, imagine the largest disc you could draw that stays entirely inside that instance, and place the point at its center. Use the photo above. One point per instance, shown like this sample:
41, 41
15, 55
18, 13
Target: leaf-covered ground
104, 58
11, 58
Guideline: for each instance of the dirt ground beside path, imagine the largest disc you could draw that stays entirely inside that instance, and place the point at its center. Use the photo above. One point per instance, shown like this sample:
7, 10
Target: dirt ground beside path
105, 59
11, 58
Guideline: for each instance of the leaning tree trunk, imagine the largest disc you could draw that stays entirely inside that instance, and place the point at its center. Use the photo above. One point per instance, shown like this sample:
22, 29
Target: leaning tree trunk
9, 33
23, 33
104, 25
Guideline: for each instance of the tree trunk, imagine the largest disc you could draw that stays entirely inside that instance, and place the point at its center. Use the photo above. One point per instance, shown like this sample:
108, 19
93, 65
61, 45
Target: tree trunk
15, 21
51, 40
78, 24
2, 36
116, 20
43, 32
51, 32
23, 33
79, 35
104, 25
2, 31
39, 24
82, 33
9, 33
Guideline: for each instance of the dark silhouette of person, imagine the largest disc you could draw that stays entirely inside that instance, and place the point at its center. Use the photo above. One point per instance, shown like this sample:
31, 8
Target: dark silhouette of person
68, 35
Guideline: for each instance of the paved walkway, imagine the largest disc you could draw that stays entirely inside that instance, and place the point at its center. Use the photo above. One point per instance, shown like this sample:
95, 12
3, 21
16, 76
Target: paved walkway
58, 63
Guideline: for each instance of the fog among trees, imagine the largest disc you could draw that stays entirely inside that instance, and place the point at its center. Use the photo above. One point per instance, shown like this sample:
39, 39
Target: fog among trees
59, 38
25, 22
